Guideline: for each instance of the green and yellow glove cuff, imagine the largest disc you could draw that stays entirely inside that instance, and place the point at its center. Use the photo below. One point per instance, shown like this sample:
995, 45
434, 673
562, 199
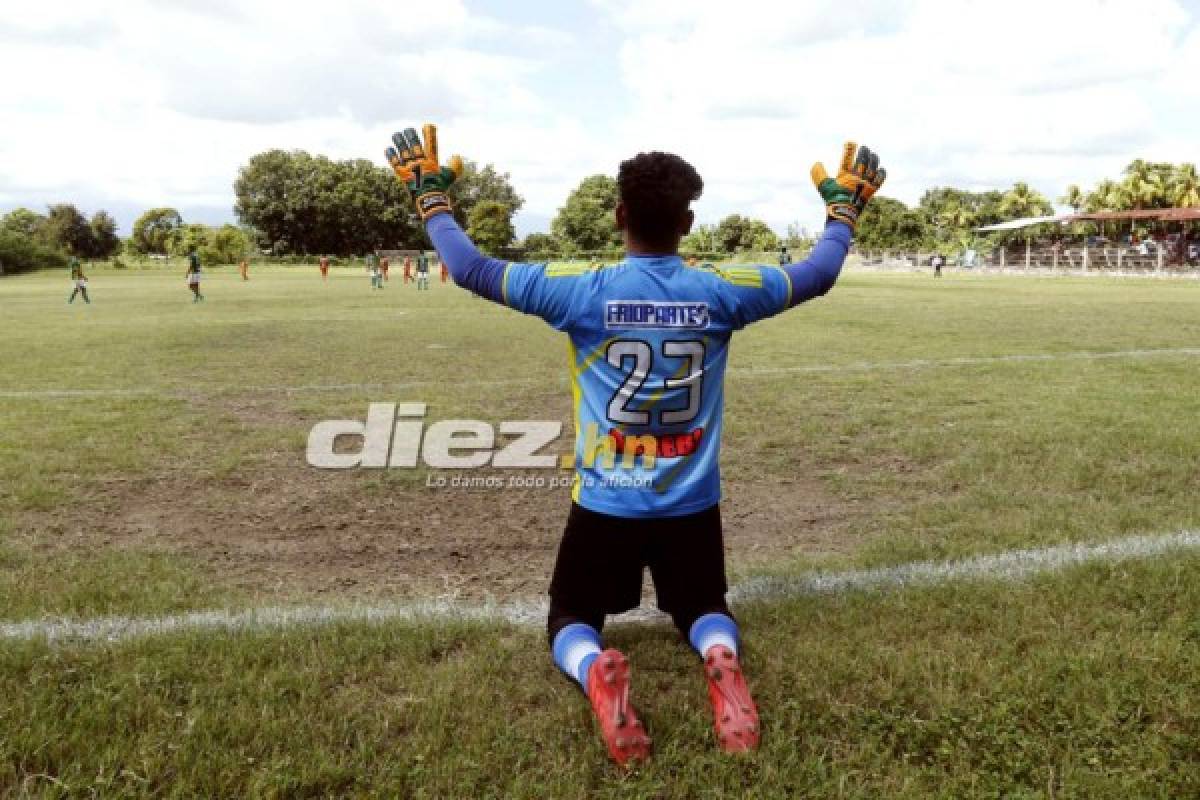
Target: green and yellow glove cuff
416, 164
859, 177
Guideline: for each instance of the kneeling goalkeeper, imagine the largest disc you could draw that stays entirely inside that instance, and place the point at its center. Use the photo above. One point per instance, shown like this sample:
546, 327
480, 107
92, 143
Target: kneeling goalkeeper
649, 339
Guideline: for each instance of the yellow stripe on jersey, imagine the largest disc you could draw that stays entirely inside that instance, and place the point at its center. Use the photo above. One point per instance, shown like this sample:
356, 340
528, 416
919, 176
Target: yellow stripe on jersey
750, 277
742, 276
566, 270
787, 299
577, 369
574, 270
576, 401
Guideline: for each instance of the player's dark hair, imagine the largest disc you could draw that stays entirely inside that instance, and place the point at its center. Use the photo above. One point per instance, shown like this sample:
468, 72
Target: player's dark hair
656, 189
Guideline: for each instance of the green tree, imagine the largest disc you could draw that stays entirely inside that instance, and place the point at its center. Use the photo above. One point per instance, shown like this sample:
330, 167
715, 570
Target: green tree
367, 210
888, 224
490, 226
1138, 170
1107, 196
732, 232
587, 221
988, 207
541, 246
1023, 201
105, 242
950, 216
1147, 191
797, 236
225, 245
481, 185
762, 238
275, 194
23, 245
23, 222
67, 229
701, 239
19, 253
956, 219
154, 230
1073, 198
1185, 187
1147, 184
299, 203
188, 238
736, 232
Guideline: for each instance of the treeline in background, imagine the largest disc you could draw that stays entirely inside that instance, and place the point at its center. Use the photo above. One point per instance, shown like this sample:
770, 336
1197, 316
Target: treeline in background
945, 219
291, 206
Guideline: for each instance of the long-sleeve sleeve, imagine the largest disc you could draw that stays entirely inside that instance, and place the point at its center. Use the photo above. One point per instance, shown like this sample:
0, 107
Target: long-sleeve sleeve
815, 275
469, 268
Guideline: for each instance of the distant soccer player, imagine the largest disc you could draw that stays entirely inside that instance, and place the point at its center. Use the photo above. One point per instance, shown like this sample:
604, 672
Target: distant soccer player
193, 276
244, 268
375, 271
79, 281
422, 270
323, 265
649, 339
383, 266
408, 276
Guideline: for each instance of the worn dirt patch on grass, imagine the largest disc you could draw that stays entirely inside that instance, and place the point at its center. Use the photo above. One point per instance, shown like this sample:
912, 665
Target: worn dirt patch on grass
294, 531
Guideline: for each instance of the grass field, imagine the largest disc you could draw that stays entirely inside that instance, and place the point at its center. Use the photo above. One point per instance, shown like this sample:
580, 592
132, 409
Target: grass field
151, 462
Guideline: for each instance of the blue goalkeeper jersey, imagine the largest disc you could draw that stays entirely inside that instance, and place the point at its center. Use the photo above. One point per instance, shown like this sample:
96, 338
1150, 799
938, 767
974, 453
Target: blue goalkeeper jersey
649, 339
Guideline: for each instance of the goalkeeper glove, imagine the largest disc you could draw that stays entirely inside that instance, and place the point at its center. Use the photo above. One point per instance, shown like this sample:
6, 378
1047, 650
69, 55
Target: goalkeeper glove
417, 165
859, 177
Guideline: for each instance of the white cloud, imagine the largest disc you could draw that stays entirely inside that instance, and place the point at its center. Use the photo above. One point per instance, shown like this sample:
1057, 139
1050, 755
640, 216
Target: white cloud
141, 103
161, 103
970, 93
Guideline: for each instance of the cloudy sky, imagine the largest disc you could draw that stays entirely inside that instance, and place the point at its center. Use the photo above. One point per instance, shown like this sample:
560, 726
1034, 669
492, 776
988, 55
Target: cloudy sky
128, 105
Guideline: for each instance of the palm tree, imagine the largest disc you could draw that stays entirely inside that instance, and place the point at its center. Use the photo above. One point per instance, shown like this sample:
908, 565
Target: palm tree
1139, 168
956, 218
1074, 198
1097, 199
1145, 190
1184, 189
1107, 196
1022, 201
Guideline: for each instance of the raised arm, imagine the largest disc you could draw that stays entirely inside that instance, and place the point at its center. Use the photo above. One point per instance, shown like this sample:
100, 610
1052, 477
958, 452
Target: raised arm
416, 164
468, 267
815, 275
859, 177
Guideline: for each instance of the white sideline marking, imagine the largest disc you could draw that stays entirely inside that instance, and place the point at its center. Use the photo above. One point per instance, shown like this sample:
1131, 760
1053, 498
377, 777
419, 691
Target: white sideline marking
1013, 565
865, 366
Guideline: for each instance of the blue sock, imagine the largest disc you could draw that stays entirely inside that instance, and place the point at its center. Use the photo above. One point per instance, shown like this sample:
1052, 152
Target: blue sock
575, 648
713, 629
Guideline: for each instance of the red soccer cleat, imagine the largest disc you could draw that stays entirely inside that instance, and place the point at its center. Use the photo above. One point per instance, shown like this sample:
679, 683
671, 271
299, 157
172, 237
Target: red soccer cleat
735, 716
608, 689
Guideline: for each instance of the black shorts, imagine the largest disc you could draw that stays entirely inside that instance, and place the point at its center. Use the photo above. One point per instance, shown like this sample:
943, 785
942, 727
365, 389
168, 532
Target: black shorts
601, 559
